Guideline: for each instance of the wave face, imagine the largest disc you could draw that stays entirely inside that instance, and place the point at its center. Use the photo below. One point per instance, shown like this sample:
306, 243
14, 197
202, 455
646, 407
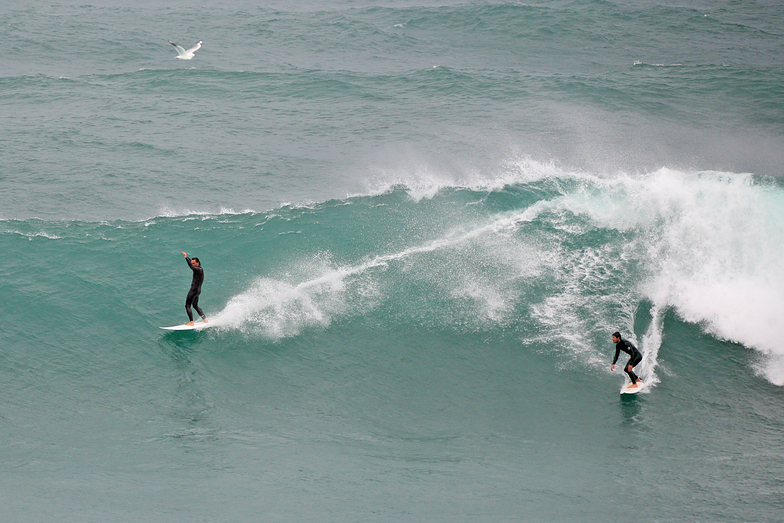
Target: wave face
569, 254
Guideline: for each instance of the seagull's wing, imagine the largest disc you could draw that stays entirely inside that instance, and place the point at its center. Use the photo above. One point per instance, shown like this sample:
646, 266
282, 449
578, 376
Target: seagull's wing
195, 48
180, 50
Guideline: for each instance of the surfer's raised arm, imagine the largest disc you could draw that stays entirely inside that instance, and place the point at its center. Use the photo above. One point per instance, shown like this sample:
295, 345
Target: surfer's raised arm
192, 263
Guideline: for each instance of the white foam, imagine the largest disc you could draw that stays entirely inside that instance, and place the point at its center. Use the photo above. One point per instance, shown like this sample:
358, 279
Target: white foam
718, 259
651, 343
707, 245
424, 181
168, 212
710, 245
31, 235
276, 308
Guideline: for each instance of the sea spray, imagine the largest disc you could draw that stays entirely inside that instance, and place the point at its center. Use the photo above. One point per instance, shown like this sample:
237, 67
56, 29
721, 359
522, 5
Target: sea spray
698, 243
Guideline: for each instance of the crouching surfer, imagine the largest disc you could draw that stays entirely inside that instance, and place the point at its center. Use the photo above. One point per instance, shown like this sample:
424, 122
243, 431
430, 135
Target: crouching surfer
193, 294
634, 360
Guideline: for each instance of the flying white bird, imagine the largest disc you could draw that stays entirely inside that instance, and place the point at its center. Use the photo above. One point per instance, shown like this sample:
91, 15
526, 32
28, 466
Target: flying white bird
182, 54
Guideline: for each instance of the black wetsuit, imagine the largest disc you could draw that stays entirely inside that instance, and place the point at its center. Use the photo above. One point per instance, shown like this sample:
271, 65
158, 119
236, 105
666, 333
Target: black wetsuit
193, 294
632, 351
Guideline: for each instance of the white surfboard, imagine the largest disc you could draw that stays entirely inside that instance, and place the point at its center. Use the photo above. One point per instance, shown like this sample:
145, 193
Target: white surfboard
626, 390
194, 327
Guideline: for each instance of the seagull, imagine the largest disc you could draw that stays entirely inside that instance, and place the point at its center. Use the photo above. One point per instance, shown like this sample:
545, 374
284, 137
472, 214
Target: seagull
182, 54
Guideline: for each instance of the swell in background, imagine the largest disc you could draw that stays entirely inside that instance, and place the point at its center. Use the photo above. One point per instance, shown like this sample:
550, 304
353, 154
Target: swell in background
290, 105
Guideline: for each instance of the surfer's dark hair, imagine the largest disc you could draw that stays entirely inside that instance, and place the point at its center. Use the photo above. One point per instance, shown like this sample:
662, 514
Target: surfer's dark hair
616, 334
196, 259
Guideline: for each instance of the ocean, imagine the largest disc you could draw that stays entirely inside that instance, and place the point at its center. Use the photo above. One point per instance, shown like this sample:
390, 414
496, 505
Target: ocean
420, 223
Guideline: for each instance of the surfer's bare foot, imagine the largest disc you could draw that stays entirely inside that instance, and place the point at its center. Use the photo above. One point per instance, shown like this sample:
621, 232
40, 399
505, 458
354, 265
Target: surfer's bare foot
189, 323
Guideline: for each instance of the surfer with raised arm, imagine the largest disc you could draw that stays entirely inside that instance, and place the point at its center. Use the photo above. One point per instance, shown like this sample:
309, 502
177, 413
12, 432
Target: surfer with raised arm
635, 358
193, 294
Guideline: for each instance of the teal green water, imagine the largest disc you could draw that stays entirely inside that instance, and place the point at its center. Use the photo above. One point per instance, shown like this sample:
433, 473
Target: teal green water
419, 223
